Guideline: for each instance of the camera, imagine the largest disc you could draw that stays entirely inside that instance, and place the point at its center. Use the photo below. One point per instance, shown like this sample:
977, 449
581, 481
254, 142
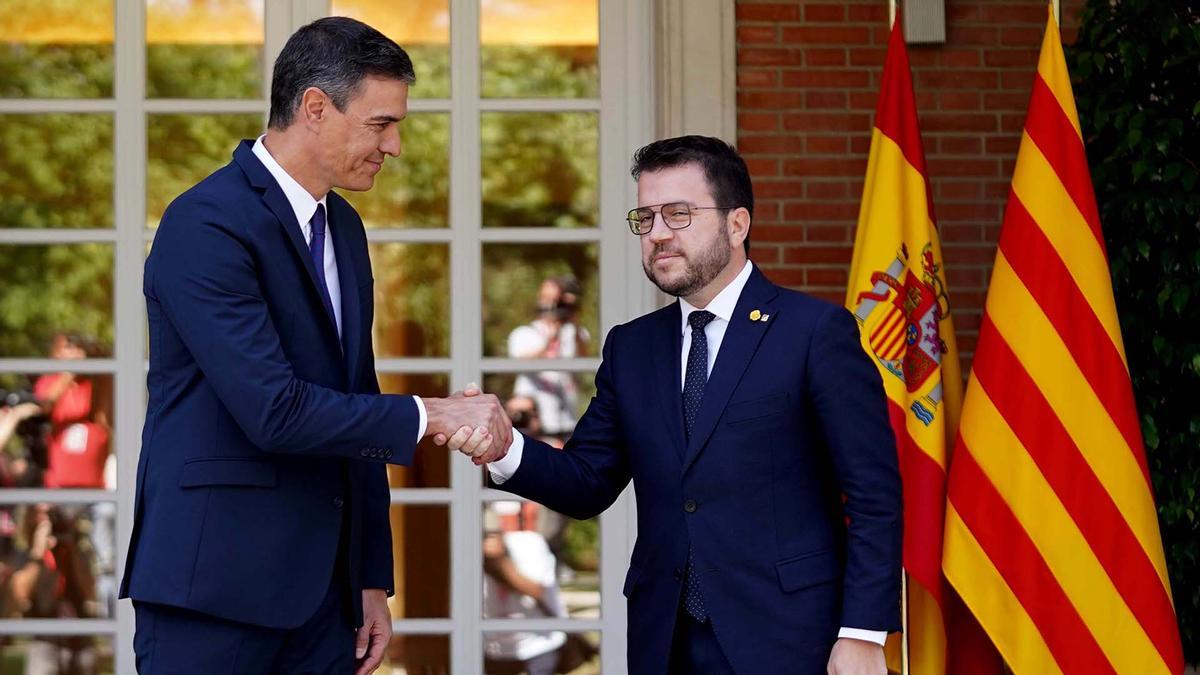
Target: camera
15, 397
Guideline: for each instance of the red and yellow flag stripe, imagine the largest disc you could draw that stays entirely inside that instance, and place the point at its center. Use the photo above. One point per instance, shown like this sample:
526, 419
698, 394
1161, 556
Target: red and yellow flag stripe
897, 290
1051, 532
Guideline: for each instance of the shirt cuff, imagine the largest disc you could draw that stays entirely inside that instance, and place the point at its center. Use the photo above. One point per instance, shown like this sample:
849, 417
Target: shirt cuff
422, 417
877, 636
503, 469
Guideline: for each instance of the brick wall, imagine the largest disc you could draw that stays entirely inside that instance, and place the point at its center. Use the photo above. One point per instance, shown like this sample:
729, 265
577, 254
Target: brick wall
808, 82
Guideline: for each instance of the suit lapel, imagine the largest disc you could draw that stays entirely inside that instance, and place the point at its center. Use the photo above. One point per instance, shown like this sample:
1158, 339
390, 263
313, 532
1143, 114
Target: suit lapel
741, 340
351, 307
665, 354
277, 202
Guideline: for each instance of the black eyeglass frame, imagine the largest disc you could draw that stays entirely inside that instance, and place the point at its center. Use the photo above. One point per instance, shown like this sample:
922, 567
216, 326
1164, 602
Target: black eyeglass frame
635, 222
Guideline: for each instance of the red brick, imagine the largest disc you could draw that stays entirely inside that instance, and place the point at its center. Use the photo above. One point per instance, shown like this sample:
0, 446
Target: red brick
762, 167
827, 233
1012, 13
773, 100
958, 233
958, 122
771, 144
764, 254
767, 211
875, 13
758, 77
958, 189
820, 211
825, 122
824, 13
951, 79
836, 297
997, 189
961, 13
961, 167
1021, 80
746, 11
1022, 37
1000, 101
965, 211
967, 321
777, 233
768, 56
825, 167
1009, 58
960, 277
959, 255
827, 276
786, 276
959, 58
1012, 123
826, 79
779, 188
1003, 145
817, 100
817, 254
827, 144
824, 56
920, 56
872, 57
861, 145
960, 145
826, 190
864, 100
826, 35
758, 121
925, 100
757, 35
959, 100
958, 35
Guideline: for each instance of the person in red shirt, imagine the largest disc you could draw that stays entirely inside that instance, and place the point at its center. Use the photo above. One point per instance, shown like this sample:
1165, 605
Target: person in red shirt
78, 443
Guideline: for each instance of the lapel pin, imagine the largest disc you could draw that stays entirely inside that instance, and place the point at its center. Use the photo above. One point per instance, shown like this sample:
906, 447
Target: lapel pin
755, 315
765, 317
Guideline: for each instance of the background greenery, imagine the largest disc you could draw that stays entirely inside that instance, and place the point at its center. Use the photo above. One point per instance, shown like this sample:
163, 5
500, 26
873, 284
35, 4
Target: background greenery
1136, 65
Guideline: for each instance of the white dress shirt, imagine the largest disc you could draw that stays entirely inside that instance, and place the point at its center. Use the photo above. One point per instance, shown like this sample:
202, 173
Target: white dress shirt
304, 205
722, 307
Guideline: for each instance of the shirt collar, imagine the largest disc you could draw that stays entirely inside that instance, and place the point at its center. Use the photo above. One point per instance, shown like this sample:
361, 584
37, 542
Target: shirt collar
726, 301
301, 200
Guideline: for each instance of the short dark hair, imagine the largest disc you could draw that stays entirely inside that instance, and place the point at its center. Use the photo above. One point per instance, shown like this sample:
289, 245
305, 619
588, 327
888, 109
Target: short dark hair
333, 54
724, 169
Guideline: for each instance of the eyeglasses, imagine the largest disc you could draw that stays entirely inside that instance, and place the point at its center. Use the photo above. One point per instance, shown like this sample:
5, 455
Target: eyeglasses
676, 216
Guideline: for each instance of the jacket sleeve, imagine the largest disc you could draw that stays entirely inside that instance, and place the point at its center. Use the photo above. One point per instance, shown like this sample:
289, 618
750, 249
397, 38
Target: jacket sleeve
378, 570
205, 278
589, 473
852, 413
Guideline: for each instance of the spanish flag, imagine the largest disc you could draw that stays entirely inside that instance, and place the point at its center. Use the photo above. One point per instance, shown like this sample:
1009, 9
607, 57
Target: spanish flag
897, 291
1051, 532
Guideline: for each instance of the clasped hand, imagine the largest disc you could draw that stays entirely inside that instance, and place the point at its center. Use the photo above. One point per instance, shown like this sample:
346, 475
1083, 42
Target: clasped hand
471, 422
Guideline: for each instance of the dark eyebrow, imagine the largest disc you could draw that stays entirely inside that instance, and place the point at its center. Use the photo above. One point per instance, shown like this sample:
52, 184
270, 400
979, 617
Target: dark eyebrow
383, 119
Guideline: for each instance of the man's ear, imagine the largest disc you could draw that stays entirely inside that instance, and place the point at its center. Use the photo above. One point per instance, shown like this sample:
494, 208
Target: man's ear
314, 107
739, 226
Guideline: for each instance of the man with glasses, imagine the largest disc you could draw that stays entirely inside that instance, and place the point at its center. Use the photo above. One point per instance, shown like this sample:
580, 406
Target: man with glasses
755, 431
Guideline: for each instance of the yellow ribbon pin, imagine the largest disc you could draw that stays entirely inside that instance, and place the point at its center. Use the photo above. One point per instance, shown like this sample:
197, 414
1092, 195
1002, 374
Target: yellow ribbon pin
755, 314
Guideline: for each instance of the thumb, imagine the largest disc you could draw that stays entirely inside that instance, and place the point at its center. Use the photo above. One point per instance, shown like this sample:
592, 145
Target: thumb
360, 644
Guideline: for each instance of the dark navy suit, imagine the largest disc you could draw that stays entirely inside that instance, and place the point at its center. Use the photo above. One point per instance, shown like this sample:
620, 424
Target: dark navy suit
264, 448
791, 443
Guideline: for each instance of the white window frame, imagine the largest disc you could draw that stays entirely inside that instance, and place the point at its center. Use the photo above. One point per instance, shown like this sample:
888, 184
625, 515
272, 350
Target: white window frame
626, 122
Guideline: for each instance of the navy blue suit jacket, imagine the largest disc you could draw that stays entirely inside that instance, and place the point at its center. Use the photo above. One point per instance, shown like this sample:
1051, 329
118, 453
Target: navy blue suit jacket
793, 418
265, 441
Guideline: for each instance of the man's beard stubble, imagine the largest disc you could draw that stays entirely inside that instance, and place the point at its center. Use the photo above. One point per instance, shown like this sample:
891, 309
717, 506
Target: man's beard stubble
698, 273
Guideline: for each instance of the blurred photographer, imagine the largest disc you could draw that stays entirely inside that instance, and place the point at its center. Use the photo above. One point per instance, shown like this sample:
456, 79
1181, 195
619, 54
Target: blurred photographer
78, 406
19, 413
555, 333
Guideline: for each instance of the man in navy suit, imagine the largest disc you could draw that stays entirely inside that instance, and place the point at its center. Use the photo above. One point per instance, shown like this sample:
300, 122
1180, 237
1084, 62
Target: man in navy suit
261, 541
755, 431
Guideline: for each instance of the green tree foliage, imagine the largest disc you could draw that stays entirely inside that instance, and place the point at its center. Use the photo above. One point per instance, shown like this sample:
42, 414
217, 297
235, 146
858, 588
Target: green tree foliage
1137, 65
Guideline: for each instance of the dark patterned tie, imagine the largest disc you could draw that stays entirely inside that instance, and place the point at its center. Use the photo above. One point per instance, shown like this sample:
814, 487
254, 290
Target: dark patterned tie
316, 250
693, 394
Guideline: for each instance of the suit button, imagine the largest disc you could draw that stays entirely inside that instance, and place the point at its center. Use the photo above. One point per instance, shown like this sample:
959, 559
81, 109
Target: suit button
689, 506
365, 452
678, 574
337, 502
388, 454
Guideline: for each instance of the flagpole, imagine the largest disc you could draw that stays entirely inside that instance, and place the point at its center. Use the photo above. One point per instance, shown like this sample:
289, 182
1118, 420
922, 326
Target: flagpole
903, 623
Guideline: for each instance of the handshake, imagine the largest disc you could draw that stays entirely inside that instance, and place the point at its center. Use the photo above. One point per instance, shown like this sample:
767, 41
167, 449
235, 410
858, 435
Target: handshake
471, 422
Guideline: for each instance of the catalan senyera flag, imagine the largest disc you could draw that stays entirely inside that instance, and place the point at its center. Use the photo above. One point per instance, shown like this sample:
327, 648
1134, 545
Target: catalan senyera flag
897, 291
1051, 534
